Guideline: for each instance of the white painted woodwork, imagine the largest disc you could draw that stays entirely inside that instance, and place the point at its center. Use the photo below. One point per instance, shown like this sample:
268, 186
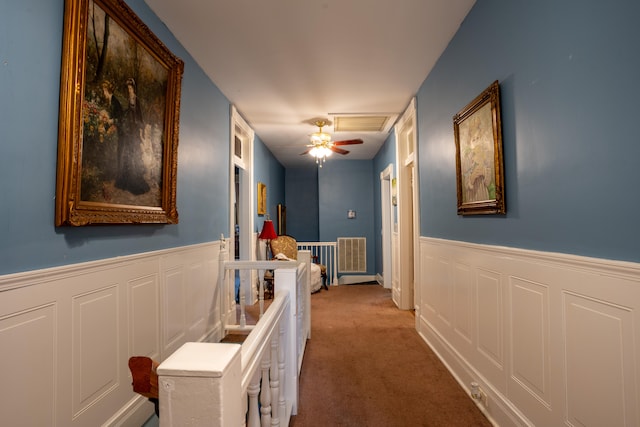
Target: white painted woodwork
66, 333
199, 385
396, 290
552, 339
386, 208
408, 209
255, 384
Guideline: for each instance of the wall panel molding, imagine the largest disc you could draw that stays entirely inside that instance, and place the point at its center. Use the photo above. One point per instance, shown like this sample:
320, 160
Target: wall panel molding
553, 340
67, 333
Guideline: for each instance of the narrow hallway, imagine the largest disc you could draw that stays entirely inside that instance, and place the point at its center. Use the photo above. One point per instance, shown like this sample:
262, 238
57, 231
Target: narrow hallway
366, 366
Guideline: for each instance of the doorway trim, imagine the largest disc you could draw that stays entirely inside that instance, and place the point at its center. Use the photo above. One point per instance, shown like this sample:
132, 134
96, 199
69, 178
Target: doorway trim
407, 209
241, 156
386, 177
241, 152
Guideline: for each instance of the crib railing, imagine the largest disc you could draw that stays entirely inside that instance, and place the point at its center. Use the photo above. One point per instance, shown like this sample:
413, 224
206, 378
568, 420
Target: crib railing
252, 384
324, 253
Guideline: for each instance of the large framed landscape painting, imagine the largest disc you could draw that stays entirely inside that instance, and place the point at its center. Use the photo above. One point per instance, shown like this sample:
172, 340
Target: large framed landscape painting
479, 164
119, 119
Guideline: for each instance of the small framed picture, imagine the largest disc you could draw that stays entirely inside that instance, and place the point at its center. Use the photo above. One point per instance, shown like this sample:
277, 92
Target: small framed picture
262, 199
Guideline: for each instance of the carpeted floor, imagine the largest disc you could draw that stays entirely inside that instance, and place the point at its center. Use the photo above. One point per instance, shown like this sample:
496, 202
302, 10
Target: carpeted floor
366, 366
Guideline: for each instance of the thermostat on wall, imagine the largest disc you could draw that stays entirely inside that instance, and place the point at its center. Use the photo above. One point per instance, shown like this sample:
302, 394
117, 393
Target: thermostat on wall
351, 214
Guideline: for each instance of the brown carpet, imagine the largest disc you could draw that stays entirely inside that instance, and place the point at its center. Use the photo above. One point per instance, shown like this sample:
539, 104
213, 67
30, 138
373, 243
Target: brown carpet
366, 366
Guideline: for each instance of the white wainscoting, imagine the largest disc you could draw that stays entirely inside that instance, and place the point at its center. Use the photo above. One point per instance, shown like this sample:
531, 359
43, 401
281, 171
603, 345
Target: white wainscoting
66, 333
552, 339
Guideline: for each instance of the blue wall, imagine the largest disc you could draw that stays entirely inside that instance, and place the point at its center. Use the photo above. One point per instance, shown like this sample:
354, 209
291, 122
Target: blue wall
30, 57
568, 73
301, 187
569, 88
347, 185
269, 171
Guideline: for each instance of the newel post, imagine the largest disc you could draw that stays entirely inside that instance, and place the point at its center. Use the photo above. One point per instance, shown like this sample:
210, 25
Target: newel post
200, 385
285, 279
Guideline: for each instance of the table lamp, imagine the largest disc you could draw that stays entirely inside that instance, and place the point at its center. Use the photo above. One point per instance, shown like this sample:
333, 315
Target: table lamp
268, 233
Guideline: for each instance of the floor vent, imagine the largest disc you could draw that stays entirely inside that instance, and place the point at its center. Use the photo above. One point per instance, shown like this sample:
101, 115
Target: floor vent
352, 254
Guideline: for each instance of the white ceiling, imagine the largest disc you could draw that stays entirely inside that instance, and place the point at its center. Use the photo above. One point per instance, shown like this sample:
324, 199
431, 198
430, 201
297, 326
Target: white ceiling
284, 63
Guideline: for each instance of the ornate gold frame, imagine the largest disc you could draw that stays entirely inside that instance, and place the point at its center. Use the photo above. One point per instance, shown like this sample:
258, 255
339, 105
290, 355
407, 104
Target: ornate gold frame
479, 164
132, 49
262, 199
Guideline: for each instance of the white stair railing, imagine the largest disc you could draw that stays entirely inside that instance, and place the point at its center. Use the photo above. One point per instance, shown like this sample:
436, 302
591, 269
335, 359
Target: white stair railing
229, 269
252, 384
324, 253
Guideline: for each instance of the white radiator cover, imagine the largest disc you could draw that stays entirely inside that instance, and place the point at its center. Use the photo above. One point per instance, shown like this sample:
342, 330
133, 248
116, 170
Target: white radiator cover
352, 254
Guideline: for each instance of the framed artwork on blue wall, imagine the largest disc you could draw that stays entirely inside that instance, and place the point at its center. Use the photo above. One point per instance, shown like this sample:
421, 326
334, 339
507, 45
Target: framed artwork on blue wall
118, 120
262, 199
479, 165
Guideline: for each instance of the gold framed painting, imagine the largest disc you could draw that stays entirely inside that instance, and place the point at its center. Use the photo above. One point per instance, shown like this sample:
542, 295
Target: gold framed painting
119, 119
479, 164
262, 199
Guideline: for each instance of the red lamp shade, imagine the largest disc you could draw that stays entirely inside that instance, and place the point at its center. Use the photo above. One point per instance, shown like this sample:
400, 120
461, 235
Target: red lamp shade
268, 232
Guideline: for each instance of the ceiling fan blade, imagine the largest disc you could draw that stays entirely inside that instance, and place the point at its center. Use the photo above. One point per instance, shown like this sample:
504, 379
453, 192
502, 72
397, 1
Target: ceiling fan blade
348, 142
338, 150
306, 152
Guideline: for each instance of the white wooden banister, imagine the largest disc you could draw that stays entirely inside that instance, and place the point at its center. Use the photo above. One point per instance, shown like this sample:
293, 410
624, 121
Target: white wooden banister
228, 269
253, 384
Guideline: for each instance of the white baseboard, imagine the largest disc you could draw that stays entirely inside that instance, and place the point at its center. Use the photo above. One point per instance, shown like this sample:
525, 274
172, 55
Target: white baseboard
134, 414
350, 280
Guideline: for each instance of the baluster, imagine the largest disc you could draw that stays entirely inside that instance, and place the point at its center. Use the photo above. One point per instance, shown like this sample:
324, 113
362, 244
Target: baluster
282, 403
253, 414
265, 392
335, 264
261, 292
275, 381
243, 300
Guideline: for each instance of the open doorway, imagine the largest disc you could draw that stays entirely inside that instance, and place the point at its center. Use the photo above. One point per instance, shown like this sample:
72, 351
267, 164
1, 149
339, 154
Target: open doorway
241, 202
241, 191
387, 198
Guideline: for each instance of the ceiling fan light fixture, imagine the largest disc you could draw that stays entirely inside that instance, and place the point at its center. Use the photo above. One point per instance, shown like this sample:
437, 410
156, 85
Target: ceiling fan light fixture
321, 144
320, 138
320, 153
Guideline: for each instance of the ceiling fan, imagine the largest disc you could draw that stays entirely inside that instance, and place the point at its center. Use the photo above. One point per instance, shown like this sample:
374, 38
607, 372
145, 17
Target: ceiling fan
321, 145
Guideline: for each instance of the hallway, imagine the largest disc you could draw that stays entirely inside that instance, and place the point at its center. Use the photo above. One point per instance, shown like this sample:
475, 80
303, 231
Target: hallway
366, 366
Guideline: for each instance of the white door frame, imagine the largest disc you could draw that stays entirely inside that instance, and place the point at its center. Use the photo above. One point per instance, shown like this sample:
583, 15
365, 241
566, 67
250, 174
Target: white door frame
408, 208
386, 206
241, 156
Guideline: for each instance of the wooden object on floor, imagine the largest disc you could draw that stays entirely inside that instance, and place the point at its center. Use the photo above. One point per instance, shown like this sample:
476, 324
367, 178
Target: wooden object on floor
145, 378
